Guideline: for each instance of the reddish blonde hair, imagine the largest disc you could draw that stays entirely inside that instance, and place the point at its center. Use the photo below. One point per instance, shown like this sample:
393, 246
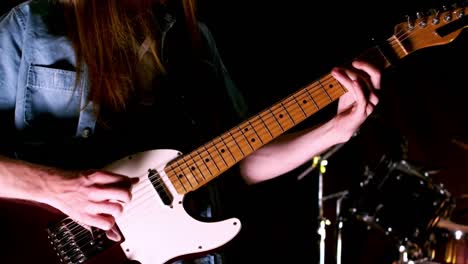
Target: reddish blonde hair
106, 36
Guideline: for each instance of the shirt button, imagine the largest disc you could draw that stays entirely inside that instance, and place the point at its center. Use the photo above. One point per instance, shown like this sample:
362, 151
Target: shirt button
86, 132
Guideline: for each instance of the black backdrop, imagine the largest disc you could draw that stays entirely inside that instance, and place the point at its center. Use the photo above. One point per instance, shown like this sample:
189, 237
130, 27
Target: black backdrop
272, 48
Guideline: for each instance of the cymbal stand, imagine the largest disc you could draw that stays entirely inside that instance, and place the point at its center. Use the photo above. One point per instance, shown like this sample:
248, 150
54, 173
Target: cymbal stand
321, 163
339, 244
339, 196
323, 221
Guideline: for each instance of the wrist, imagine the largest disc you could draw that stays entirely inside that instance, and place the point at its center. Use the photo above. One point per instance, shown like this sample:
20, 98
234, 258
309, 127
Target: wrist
338, 132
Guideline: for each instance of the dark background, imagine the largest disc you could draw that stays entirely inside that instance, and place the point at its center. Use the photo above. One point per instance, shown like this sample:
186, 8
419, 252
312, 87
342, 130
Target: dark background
273, 48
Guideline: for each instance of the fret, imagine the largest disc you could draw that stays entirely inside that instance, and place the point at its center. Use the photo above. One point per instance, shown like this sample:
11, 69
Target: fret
311, 98
233, 146
334, 89
255, 130
306, 103
228, 148
276, 119
242, 153
319, 95
273, 126
224, 152
251, 135
195, 167
287, 112
283, 118
187, 172
265, 125
210, 158
324, 90
242, 131
204, 161
299, 105
224, 164
173, 175
294, 109
181, 176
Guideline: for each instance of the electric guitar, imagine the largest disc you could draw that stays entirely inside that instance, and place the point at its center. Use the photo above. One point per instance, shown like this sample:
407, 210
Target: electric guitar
155, 226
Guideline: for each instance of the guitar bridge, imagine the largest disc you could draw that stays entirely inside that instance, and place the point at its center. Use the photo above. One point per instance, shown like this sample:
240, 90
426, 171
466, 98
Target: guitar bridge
74, 243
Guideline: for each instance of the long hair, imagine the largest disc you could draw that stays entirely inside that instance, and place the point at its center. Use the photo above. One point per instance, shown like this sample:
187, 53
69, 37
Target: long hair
107, 38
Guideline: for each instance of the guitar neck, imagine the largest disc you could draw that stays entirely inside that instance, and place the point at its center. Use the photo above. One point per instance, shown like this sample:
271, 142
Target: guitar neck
193, 170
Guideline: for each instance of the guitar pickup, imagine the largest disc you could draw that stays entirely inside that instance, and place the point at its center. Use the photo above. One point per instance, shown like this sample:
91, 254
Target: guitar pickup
160, 187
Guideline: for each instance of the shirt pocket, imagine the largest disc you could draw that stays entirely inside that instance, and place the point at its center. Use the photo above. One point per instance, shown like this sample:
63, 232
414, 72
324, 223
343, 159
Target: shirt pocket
52, 101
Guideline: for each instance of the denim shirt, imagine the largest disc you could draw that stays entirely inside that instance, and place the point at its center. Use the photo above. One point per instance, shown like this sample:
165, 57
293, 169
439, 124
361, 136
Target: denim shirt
37, 77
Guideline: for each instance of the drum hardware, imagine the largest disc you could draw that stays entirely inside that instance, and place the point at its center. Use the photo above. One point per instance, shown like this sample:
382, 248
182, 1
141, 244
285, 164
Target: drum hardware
340, 220
411, 253
321, 162
400, 201
323, 221
340, 223
448, 243
317, 159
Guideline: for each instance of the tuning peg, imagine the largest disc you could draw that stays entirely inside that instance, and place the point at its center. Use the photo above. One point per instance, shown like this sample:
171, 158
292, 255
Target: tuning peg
409, 22
459, 13
448, 17
422, 22
434, 13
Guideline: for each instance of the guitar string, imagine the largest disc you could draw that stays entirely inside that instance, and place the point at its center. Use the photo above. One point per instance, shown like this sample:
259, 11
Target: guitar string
395, 44
195, 161
158, 180
152, 178
207, 166
294, 98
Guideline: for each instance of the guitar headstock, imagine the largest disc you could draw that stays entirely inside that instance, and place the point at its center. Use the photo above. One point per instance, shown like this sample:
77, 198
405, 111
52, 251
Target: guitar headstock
438, 27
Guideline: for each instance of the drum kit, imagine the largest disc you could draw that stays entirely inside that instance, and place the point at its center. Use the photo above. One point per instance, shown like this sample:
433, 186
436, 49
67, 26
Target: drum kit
401, 203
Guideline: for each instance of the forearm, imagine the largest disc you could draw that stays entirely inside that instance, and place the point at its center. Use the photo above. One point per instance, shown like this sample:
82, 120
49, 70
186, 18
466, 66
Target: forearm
290, 151
21, 180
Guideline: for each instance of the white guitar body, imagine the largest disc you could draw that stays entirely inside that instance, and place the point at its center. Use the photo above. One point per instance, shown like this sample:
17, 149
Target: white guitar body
154, 232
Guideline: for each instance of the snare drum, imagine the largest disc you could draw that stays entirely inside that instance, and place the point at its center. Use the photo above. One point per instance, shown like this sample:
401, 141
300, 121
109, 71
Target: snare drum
400, 200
